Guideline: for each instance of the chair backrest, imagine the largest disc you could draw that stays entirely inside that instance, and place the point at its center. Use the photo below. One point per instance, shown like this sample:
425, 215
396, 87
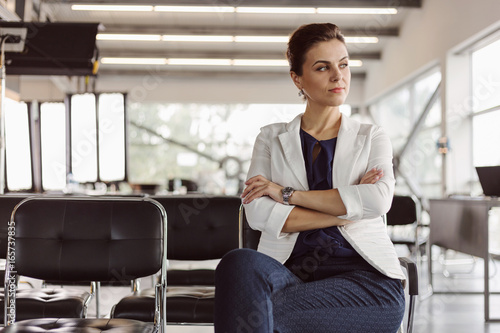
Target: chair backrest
249, 238
87, 239
403, 211
200, 227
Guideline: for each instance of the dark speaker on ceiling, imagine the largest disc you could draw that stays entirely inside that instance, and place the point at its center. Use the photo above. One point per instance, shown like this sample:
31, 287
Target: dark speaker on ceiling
51, 48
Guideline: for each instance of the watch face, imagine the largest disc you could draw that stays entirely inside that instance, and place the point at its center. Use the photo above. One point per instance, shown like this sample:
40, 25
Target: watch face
286, 192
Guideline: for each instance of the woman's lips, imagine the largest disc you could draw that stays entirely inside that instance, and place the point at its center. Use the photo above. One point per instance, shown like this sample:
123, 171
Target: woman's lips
337, 90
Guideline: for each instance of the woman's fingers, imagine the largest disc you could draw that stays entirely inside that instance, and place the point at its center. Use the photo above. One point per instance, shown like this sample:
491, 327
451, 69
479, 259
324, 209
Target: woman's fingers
372, 176
259, 186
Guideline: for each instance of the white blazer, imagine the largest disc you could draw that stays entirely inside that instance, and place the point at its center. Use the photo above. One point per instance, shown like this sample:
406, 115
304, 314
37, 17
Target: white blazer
277, 156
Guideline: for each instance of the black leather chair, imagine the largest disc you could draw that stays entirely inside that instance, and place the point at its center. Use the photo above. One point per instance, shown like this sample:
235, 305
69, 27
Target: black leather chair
86, 239
404, 225
249, 238
200, 227
44, 299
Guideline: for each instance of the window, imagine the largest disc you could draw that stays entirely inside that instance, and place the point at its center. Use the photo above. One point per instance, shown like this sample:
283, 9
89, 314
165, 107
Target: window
486, 104
17, 142
192, 141
83, 138
90, 161
399, 113
53, 145
111, 137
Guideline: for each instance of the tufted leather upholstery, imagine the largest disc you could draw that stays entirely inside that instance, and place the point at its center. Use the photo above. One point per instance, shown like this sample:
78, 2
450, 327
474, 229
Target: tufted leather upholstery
37, 303
63, 303
200, 227
73, 239
91, 240
80, 326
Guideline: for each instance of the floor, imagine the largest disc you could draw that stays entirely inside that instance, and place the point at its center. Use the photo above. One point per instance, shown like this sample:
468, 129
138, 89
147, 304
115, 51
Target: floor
453, 312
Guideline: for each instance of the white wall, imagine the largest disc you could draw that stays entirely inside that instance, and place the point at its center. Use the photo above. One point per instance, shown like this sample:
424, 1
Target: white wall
425, 37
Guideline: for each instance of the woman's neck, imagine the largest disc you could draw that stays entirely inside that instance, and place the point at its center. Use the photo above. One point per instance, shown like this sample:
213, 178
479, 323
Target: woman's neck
322, 124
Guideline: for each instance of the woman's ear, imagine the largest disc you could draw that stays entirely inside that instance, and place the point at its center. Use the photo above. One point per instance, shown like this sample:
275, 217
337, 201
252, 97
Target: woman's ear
296, 80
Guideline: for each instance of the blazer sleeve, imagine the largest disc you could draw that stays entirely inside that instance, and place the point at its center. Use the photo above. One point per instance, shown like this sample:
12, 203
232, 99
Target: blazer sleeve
265, 214
368, 201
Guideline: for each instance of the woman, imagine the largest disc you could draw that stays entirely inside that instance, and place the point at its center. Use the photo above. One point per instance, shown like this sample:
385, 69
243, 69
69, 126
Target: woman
317, 188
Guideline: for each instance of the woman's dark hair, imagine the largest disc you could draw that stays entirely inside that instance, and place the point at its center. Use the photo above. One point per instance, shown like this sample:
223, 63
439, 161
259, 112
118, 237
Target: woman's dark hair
304, 38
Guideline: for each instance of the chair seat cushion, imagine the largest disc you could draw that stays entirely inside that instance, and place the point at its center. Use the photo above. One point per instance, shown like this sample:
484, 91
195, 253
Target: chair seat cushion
46, 303
79, 325
193, 277
184, 305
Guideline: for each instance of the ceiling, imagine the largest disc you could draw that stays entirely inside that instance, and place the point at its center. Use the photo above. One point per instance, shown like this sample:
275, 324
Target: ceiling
384, 27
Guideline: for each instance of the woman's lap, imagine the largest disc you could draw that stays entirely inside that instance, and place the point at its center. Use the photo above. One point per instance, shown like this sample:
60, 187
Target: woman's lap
250, 286
358, 301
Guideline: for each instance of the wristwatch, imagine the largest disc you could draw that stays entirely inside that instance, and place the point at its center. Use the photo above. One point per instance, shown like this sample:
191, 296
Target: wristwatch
287, 193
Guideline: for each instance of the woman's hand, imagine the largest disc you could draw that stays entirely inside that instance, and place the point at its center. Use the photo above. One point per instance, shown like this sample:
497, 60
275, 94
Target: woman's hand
259, 186
372, 176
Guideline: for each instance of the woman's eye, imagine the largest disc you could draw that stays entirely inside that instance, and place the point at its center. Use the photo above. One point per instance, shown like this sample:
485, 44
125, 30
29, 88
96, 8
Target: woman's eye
322, 68
344, 65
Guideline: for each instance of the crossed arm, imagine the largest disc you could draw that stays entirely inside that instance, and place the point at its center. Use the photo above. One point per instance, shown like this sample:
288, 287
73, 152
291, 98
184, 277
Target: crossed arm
313, 209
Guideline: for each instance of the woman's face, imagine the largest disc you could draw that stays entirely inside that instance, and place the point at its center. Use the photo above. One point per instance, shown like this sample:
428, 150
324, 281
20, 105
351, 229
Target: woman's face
326, 76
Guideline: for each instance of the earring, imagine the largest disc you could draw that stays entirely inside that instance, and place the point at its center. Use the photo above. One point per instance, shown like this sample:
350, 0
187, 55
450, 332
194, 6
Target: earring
301, 93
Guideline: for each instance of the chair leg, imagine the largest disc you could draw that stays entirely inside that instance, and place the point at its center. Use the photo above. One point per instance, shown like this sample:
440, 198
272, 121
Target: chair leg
411, 313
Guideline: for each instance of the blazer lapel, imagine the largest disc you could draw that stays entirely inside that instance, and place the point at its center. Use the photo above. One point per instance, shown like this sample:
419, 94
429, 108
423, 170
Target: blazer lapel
347, 151
292, 149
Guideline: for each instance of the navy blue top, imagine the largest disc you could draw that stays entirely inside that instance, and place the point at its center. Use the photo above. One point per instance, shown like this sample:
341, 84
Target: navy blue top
319, 176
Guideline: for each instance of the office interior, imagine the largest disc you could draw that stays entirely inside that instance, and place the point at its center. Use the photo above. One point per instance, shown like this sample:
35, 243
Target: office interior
173, 93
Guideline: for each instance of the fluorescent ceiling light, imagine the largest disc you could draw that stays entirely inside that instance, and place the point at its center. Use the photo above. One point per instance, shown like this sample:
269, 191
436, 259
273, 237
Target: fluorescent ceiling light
195, 9
197, 62
122, 8
276, 10
246, 10
261, 39
217, 39
260, 62
205, 62
385, 11
131, 37
133, 61
194, 38
355, 63
361, 40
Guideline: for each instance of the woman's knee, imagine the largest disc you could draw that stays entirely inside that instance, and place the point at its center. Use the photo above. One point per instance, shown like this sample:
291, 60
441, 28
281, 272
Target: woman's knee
237, 260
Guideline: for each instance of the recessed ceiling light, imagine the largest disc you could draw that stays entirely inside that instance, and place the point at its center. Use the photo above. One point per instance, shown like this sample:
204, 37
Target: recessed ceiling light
214, 38
260, 62
195, 9
205, 62
133, 61
242, 10
361, 40
130, 37
355, 63
360, 10
276, 10
261, 39
199, 62
195, 38
122, 8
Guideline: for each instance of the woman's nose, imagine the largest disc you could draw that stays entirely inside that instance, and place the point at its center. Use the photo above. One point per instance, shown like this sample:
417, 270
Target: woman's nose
336, 75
